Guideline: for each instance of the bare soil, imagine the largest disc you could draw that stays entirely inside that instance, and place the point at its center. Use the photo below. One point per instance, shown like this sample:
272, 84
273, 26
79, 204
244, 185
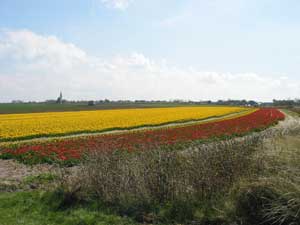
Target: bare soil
13, 173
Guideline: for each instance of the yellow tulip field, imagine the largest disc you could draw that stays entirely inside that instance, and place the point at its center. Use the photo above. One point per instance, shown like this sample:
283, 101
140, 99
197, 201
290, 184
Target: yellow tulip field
14, 126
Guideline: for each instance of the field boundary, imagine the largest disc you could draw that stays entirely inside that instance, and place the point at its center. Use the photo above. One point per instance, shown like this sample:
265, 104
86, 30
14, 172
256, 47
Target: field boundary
172, 124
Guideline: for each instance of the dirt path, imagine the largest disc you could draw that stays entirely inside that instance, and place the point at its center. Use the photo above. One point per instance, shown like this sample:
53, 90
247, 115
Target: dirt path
13, 170
16, 176
13, 174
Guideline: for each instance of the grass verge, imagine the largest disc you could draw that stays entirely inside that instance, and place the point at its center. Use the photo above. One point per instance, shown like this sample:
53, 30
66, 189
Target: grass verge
34, 208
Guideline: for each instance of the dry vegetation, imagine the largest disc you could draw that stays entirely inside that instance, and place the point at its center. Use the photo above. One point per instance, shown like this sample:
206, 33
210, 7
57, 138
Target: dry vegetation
248, 180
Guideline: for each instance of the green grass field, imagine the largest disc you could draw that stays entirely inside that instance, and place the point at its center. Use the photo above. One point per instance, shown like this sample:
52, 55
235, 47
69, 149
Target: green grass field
6, 108
33, 208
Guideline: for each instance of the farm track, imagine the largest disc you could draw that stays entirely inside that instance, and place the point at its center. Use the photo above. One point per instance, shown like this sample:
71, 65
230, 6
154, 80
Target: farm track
120, 131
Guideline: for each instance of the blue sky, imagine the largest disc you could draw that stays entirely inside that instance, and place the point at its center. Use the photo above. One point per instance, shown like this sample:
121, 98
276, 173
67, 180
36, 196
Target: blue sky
188, 49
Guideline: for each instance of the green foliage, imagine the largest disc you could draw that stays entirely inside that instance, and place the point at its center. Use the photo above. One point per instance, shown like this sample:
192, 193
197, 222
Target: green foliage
29, 158
42, 178
33, 158
31, 208
60, 199
178, 212
252, 202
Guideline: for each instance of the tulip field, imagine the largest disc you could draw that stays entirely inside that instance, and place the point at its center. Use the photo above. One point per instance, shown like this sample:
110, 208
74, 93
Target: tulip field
29, 125
74, 148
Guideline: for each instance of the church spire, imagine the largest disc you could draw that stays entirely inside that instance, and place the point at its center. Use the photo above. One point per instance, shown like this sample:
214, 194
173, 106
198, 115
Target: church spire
60, 98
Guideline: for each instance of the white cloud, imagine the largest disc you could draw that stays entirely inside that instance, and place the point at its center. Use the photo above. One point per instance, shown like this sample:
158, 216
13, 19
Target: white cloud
37, 67
117, 4
24, 46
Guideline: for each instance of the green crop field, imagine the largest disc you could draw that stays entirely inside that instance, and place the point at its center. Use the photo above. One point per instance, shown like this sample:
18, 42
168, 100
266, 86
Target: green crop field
6, 108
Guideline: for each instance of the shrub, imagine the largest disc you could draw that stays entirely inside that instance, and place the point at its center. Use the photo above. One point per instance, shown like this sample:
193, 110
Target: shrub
252, 201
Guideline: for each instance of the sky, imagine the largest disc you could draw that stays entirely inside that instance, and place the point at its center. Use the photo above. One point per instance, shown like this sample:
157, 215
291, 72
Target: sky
152, 50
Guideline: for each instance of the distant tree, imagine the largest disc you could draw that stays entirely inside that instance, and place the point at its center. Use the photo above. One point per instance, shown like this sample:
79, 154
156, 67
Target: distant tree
50, 101
91, 103
16, 101
252, 103
285, 103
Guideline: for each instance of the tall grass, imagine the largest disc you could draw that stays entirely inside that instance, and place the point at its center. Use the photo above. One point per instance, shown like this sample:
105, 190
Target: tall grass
171, 182
247, 180
271, 196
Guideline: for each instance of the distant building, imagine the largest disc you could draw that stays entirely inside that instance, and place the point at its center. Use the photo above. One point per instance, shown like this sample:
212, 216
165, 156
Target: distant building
60, 99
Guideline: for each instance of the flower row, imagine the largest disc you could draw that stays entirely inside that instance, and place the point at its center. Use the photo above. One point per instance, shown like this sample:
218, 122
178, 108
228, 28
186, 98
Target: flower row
30, 125
74, 148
